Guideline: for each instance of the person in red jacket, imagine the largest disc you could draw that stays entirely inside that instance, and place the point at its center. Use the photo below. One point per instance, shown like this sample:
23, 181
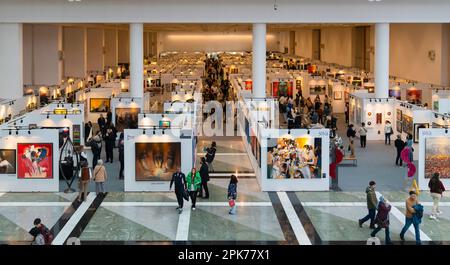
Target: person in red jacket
436, 190
382, 220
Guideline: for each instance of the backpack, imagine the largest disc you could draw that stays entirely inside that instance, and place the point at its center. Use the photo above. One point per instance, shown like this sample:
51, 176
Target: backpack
47, 234
419, 210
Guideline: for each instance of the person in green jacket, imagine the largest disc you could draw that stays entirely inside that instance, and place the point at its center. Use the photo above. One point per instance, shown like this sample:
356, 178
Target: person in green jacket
193, 182
372, 203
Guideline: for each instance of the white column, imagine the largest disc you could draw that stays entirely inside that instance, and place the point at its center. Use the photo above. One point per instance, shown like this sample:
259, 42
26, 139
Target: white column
137, 60
259, 61
11, 62
382, 60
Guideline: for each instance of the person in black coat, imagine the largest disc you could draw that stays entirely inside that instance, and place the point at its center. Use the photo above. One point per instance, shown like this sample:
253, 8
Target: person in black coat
110, 140
180, 187
87, 130
204, 174
121, 155
109, 117
102, 124
210, 155
399, 145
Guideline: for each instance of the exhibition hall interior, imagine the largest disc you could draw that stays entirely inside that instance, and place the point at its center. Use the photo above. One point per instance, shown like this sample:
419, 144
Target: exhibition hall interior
297, 123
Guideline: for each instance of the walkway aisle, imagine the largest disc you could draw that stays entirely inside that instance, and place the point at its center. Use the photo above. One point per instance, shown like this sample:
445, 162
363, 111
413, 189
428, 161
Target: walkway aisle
375, 162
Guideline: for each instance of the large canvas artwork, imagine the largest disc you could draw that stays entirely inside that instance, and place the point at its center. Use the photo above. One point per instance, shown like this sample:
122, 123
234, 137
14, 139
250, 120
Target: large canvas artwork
157, 161
317, 90
35, 160
395, 93
7, 161
294, 158
99, 104
437, 157
398, 126
407, 123
127, 118
414, 95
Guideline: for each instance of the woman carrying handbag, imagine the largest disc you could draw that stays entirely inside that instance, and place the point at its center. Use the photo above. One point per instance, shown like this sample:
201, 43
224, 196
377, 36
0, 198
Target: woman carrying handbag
232, 194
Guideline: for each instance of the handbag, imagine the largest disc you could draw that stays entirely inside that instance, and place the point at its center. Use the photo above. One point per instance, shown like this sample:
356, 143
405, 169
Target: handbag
231, 202
185, 195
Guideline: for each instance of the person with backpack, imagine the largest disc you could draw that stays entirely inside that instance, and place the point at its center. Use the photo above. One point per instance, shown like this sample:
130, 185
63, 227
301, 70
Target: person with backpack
382, 220
100, 177
372, 203
436, 189
85, 177
193, 183
210, 155
180, 188
204, 174
232, 194
413, 216
42, 235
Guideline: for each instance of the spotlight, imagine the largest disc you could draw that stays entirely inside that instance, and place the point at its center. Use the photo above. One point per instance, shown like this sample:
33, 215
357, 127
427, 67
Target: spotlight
446, 131
78, 104
370, 100
120, 99
9, 132
132, 99
14, 123
65, 116
29, 132
308, 131
289, 131
57, 105
435, 115
21, 121
17, 132
48, 116
387, 100
145, 115
163, 131
443, 118
154, 132
144, 131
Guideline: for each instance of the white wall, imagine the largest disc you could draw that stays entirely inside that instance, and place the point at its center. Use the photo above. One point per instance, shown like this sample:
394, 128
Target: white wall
10, 182
111, 52
283, 41
47, 68
409, 47
337, 45
210, 41
303, 37
75, 52
95, 49
11, 61
123, 46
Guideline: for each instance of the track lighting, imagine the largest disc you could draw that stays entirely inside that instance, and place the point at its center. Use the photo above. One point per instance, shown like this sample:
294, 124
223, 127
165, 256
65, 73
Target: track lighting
48, 116
144, 131
154, 132
21, 121
289, 131
308, 131
10, 132
446, 131
29, 132
65, 116
17, 132
145, 115
132, 99
163, 131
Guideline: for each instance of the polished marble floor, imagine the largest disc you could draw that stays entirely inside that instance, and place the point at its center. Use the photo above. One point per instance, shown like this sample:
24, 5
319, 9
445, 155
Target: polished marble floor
262, 218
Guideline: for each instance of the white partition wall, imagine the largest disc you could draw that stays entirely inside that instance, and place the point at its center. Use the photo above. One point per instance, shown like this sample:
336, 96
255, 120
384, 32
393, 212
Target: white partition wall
141, 172
11, 182
434, 156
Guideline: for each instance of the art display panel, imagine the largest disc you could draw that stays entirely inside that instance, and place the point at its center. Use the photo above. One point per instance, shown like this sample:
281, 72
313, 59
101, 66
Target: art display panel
294, 158
317, 90
127, 118
395, 93
338, 95
35, 160
156, 161
407, 123
437, 157
414, 95
7, 161
99, 105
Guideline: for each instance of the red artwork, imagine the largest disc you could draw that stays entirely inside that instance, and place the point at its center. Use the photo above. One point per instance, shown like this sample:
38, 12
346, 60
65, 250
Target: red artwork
248, 85
35, 161
290, 89
275, 89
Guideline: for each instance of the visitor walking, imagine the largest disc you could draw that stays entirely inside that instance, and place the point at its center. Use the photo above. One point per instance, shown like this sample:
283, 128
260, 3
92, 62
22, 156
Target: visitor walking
351, 134
363, 135
232, 194
413, 216
204, 174
436, 189
96, 148
100, 177
110, 142
382, 220
180, 188
399, 145
85, 177
388, 131
210, 155
193, 182
372, 203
